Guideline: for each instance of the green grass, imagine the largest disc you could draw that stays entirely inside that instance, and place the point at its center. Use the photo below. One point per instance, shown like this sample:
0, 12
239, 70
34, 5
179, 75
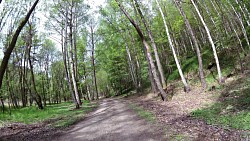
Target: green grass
143, 113
178, 137
58, 115
233, 108
190, 64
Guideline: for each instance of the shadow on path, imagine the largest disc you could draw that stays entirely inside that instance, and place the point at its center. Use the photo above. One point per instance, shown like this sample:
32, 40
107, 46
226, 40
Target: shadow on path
112, 121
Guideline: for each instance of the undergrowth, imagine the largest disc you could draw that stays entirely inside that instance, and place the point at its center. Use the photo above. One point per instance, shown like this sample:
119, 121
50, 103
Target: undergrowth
59, 115
143, 113
232, 108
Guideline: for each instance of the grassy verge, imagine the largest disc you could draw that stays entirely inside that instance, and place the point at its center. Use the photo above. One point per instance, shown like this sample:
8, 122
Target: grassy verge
58, 115
233, 107
143, 113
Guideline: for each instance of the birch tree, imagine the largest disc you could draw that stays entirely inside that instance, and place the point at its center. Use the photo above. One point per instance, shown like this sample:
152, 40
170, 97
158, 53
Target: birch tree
147, 51
192, 34
159, 66
221, 80
186, 86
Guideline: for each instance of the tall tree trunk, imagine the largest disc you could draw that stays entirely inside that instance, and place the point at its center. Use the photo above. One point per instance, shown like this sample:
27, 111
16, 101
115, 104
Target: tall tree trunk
190, 30
131, 67
218, 29
2, 103
138, 67
93, 60
158, 62
228, 22
37, 97
202, 38
43, 91
65, 56
21, 77
10, 90
78, 100
221, 80
148, 53
241, 23
187, 87
151, 77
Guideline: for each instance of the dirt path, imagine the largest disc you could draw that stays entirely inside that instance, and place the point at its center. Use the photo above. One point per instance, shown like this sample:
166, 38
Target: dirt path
113, 121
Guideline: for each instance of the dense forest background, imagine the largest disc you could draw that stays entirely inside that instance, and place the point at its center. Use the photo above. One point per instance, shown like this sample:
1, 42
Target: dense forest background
119, 47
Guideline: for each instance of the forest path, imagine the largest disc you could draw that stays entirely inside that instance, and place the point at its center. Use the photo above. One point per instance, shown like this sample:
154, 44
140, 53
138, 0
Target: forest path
113, 121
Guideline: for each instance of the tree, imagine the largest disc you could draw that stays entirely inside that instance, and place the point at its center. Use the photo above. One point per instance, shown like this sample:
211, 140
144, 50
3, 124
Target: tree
12, 44
221, 80
187, 88
148, 53
195, 41
159, 66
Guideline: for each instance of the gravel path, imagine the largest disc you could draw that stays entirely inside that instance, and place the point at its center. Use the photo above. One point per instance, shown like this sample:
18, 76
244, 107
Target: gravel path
113, 121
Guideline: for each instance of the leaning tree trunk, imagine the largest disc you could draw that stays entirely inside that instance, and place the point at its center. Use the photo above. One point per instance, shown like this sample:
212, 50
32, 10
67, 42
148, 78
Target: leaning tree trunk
190, 30
221, 14
211, 42
243, 12
187, 87
138, 67
241, 23
148, 53
13, 41
158, 62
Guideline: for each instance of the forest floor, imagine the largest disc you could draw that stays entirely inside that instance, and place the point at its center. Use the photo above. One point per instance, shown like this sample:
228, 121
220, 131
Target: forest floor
146, 117
31, 124
118, 119
176, 117
222, 110
112, 120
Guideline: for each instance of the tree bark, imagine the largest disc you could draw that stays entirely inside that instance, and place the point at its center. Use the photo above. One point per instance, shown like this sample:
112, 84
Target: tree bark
221, 80
13, 41
147, 49
93, 60
158, 62
241, 24
190, 30
187, 87
37, 97
131, 67
65, 56
72, 57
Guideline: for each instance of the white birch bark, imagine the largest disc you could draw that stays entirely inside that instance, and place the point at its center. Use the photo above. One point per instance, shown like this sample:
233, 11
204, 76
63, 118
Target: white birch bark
187, 88
241, 23
243, 12
211, 42
158, 62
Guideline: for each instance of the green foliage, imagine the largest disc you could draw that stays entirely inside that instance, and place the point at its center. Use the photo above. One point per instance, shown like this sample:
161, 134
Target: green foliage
112, 35
178, 137
190, 64
102, 80
233, 108
62, 114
